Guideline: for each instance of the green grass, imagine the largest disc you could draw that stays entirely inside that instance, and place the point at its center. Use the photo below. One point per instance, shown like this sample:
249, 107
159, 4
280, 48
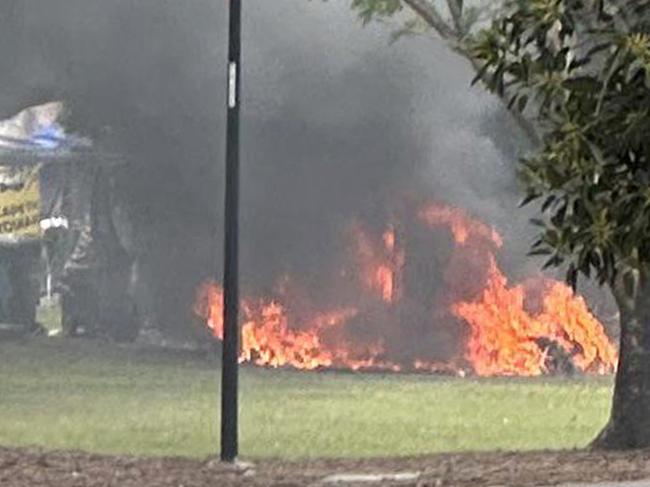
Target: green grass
80, 395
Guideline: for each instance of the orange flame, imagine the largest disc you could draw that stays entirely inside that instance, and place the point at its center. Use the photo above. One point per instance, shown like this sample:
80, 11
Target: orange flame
504, 336
463, 227
578, 326
268, 340
381, 265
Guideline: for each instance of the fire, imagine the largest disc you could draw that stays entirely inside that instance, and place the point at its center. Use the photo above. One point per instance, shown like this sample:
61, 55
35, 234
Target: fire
504, 337
268, 340
464, 228
576, 326
380, 264
502, 334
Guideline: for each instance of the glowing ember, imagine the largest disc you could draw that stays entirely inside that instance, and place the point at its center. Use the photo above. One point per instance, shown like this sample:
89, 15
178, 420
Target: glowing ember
504, 337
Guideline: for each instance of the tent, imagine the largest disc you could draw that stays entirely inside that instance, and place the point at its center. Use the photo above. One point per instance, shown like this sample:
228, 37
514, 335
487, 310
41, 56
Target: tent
57, 233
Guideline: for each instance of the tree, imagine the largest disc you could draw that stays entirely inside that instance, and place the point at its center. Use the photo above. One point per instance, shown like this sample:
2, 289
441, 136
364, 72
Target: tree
581, 69
453, 21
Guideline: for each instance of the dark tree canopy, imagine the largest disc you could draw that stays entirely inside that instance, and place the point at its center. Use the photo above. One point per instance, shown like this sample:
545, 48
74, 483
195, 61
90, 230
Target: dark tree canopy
582, 68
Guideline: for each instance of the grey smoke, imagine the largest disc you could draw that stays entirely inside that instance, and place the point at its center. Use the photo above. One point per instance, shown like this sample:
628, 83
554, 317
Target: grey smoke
336, 123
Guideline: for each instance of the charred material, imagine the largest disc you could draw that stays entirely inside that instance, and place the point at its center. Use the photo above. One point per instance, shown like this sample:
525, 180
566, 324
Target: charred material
558, 360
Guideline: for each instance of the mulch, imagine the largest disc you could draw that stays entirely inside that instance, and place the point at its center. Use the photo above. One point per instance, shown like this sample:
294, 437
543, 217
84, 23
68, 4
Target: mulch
21, 467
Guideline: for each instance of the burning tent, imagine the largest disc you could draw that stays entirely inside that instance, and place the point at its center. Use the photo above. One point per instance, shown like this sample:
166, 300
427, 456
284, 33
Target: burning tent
57, 235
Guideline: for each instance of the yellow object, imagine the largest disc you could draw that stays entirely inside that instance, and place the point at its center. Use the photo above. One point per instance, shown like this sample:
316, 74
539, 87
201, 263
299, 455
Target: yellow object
20, 204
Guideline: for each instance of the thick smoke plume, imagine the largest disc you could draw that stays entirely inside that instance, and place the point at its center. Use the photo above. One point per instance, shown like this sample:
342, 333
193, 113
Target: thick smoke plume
337, 124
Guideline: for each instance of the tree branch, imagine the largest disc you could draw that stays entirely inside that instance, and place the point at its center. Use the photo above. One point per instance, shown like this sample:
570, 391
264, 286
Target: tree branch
456, 11
432, 17
454, 36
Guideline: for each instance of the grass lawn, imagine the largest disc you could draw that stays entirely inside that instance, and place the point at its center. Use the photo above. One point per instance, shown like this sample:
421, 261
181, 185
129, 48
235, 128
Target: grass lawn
82, 395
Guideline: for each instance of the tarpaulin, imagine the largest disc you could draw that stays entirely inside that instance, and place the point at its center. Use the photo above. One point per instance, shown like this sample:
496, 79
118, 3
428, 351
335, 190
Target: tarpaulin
55, 195
38, 129
32, 187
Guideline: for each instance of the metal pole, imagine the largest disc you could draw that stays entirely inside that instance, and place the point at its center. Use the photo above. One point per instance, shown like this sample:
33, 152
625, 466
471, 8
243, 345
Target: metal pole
229, 370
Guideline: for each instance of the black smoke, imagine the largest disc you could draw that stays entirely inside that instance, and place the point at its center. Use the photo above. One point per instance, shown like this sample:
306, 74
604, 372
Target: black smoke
337, 123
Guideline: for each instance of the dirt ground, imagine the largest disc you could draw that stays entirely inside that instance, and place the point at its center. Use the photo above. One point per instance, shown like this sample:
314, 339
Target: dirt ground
28, 467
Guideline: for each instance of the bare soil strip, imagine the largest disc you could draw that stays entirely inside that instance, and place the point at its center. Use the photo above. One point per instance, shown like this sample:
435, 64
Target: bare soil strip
33, 467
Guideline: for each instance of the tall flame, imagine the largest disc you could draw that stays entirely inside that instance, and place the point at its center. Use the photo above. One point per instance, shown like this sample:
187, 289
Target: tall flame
504, 337
380, 263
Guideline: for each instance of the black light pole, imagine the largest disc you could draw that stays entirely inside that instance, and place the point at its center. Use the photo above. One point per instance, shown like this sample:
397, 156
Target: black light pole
229, 370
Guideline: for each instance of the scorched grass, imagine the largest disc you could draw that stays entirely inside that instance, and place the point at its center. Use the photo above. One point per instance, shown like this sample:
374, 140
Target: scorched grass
100, 398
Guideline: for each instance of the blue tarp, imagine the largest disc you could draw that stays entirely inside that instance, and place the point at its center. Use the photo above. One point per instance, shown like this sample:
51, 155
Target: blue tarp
39, 130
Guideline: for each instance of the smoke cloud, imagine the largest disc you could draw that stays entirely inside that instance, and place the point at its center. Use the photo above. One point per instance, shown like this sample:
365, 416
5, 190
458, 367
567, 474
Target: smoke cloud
337, 123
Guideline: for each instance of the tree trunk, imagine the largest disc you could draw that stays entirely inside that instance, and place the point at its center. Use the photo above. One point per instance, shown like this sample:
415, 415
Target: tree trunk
629, 423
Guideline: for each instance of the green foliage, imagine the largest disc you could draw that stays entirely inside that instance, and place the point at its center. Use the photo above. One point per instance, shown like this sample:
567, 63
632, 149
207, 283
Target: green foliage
370, 9
583, 69
452, 20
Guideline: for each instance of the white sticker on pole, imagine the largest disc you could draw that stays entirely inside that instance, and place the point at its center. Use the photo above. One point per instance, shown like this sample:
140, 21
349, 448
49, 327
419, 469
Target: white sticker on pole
232, 85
